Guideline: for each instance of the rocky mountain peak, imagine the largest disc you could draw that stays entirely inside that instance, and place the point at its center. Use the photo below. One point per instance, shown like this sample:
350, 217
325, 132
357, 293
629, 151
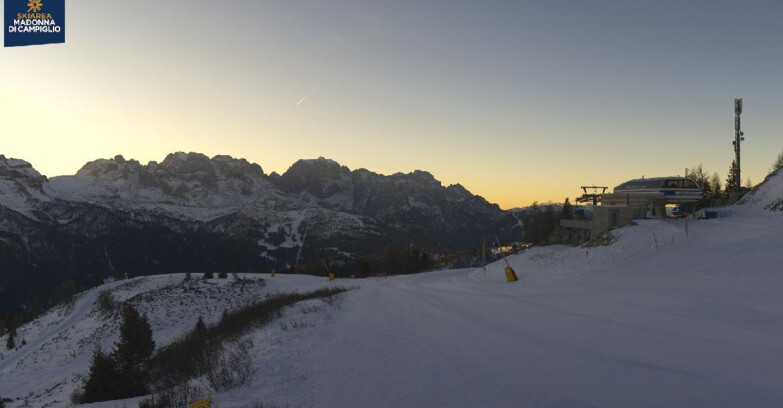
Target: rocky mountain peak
417, 178
187, 163
320, 165
110, 169
317, 176
21, 186
181, 179
458, 188
236, 167
423, 176
16, 168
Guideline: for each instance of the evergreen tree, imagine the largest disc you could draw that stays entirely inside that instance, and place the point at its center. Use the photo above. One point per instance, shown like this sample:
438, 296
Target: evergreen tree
222, 274
715, 184
699, 175
132, 352
778, 164
731, 179
568, 210
200, 328
11, 342
539, 221
529, 223
124, 372
365, 266
208, 274
549, 222
101, 384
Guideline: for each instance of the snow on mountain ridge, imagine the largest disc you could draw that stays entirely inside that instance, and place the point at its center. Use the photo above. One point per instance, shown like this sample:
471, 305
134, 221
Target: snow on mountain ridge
20, 166
767, 195
319, 181
21, 186
184, 184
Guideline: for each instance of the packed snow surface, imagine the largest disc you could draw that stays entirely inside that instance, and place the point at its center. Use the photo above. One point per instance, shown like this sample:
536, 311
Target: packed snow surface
661, 318
768, 195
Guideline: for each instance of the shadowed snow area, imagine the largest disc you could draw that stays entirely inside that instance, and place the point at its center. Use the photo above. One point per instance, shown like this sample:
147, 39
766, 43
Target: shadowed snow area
657, 319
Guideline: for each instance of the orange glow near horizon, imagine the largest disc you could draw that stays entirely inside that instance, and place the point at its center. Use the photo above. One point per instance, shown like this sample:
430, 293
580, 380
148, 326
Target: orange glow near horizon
511, 117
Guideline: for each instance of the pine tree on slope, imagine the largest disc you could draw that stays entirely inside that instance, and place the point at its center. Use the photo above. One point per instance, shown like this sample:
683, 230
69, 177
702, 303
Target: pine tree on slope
101, 385
132, 352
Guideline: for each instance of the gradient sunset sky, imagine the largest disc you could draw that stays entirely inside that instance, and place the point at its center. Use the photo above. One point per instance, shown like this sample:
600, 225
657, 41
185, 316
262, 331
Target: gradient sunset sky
519, 101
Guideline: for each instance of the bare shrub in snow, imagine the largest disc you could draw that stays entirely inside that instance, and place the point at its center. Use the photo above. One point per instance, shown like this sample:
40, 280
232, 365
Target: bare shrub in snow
604, 239
106, 303
230, 367
76, 396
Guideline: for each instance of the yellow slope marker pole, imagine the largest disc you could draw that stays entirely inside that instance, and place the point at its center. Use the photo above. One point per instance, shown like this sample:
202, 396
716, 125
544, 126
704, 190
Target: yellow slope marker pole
511, 276
202, 403
331, 274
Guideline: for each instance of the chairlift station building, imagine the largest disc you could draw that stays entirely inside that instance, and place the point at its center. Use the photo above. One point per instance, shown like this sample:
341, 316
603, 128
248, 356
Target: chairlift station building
634, 199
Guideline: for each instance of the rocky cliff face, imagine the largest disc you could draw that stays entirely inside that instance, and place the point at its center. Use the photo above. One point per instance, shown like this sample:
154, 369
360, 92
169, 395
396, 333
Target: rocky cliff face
21, 186
190, 212
180, 182
404, 202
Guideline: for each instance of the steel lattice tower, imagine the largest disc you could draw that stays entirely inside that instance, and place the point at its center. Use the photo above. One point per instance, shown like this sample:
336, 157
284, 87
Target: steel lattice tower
738, 137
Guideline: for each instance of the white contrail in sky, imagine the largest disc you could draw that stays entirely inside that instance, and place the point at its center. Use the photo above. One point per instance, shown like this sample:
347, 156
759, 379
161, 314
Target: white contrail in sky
304, 98
315, 88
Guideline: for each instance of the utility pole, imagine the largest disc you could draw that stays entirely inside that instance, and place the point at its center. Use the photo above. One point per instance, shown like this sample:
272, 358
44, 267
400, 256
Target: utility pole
738, 137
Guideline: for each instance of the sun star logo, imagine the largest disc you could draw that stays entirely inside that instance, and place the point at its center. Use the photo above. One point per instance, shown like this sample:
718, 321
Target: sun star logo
35, 5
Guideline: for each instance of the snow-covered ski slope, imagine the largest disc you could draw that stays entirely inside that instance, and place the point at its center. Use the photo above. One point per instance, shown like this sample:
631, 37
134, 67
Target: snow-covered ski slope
657, 319
59, 345
693, 322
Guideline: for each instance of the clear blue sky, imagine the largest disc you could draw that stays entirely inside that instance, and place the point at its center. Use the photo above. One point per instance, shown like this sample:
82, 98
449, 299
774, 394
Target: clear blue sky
518, 101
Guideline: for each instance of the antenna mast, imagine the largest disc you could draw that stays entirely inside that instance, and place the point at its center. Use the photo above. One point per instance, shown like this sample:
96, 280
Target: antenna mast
738, 137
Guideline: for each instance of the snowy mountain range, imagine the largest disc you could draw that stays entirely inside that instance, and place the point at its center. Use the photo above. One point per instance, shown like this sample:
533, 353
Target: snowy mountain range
674, 313
190, 212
